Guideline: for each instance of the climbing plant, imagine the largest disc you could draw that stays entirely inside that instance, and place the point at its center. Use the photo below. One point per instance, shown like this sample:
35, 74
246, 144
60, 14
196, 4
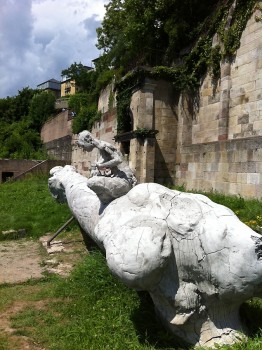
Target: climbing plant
201, 56
231, 37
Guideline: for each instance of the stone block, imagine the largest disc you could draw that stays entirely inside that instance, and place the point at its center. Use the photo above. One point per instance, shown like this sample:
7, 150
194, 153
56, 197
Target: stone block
241, 79
167, 112
225, 70
221, 187
236, 131
233, 188
206, 92
243, 119
257, 155
204, 101
214, 98
248, 190
234, 167
259, 105
258, 191
249, 46
222, 123
259, 63
232, 177
222, 174
259, 83
246, 58
225, 86
240, 155
253, 178
247, 129
242, 178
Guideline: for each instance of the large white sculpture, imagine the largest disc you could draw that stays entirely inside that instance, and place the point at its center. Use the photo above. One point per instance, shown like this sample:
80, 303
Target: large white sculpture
196, 259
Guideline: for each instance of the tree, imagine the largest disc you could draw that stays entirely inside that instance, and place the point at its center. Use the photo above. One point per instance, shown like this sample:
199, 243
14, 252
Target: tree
23, 100
15, 108
42, 106
85, 119
84, 77
19, 141
8, 109
150, 32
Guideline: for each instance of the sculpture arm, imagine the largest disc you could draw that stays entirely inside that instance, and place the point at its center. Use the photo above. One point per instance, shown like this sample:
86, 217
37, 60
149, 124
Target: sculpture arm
137, 255
115, 160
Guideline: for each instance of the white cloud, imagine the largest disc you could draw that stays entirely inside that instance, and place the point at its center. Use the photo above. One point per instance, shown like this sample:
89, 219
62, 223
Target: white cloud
39, 38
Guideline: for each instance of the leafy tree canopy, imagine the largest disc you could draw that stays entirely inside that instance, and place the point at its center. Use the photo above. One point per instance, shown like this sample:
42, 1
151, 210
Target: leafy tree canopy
19, 141
21, 119
42, 106
84, 77
150, 32
15, 108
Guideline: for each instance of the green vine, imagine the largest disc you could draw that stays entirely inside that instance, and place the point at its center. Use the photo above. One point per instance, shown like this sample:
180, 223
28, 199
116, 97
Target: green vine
241, 14
145, 133
202, 57
111, 101
215, 59
123, 101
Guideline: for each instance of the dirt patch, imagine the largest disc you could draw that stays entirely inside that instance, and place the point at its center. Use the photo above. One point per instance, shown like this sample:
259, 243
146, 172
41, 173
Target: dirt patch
19, 261
22, 260
18, 341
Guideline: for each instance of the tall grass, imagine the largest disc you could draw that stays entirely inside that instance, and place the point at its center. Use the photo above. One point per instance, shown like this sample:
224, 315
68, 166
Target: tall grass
28, 205
93, 310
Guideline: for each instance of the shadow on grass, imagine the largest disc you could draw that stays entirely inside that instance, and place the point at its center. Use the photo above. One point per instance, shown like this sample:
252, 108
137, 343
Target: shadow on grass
149, 329
251, 314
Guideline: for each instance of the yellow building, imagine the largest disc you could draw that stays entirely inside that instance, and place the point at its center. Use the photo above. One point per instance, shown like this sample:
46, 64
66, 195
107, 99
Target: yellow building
68, 87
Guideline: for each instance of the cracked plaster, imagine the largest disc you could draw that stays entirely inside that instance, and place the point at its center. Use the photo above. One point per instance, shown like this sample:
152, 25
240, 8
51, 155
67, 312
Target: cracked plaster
196, 259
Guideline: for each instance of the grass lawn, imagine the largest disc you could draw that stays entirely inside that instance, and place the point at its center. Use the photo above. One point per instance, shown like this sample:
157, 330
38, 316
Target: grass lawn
28, 205
90, 309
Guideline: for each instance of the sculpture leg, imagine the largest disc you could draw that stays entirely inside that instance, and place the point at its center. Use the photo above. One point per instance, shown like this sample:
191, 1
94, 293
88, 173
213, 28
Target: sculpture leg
108, 188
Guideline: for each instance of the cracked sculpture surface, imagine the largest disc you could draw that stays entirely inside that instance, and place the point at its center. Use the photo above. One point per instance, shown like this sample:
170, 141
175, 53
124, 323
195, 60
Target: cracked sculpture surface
111, 176
196, 259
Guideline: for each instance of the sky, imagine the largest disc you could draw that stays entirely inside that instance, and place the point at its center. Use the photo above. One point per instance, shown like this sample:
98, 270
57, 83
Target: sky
40, 38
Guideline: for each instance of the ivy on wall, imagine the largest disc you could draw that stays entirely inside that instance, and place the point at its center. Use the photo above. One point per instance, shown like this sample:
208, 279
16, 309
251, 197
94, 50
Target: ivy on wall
203, 56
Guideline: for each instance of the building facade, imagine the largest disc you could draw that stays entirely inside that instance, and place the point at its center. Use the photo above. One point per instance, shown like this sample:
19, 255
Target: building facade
52, 85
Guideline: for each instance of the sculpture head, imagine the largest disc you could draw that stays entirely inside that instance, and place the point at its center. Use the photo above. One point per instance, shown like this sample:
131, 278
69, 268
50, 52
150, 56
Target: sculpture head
55, 184
86, 140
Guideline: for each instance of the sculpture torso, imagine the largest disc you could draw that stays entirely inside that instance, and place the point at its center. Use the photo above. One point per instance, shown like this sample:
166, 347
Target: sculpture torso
113, 177
197, 260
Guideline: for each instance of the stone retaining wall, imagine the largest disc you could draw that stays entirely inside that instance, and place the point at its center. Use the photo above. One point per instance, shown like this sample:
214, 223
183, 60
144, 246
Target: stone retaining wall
231, 167
209, 141
220, 137
18, 168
